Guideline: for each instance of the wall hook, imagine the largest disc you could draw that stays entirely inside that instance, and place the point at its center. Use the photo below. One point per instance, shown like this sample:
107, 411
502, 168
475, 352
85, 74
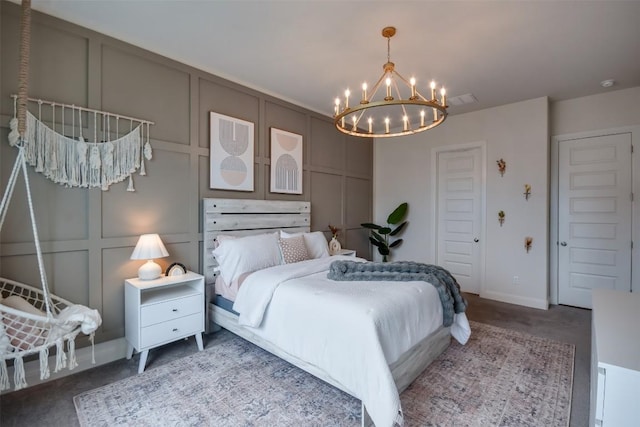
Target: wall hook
527, 243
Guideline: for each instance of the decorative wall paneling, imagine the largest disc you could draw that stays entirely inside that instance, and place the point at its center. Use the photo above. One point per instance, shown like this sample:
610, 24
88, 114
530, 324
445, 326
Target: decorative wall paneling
88, 235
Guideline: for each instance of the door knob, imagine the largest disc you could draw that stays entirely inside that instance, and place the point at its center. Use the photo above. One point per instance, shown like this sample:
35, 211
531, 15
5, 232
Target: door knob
563, 243
476, 240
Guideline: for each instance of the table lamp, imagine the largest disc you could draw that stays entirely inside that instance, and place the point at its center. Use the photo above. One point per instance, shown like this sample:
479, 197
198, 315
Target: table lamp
149, 247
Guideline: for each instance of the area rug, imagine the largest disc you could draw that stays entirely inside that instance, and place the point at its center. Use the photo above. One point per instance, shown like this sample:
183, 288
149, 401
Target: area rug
499, 378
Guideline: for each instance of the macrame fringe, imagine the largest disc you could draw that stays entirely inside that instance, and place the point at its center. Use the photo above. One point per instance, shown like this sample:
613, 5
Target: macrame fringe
44, 363
61, 358
4, 376
64, 160
93, 349
71, 345
19, 378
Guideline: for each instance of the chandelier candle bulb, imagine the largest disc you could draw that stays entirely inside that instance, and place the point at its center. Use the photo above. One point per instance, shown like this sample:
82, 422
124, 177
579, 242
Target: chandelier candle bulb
435, 114
364, 93
443, 92
337, 106
413, 87
389, 97
370, 125
433, 90
405, 119
355, 122
347, 93
421, 118
386, 124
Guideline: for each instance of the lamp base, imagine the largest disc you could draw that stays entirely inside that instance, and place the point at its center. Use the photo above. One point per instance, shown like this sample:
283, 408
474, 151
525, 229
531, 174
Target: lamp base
149, 271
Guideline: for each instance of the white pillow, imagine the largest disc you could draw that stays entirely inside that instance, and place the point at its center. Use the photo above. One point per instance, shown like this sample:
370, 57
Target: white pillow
247, 254
317, 246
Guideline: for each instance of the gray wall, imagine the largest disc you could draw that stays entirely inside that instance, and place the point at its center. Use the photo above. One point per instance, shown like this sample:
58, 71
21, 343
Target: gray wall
88, 235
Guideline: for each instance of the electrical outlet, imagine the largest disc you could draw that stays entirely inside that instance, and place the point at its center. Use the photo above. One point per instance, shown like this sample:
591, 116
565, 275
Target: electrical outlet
516, 280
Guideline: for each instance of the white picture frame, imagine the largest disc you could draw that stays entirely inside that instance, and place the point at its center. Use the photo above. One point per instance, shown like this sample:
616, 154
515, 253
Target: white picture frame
286, 162
231, 153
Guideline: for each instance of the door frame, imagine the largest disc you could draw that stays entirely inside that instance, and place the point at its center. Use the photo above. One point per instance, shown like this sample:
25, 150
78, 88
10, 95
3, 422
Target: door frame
554, 204
435, 151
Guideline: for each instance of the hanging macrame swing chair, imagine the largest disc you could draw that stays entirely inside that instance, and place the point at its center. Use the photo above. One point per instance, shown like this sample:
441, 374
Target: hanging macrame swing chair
34, 320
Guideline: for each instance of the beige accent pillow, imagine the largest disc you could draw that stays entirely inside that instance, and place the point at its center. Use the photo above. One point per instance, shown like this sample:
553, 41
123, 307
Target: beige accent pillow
293, 249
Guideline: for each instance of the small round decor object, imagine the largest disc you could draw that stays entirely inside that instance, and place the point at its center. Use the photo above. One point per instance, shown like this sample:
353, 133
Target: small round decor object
176, 269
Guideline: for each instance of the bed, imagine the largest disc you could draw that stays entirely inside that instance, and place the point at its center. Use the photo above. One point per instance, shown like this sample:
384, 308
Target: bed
294, 312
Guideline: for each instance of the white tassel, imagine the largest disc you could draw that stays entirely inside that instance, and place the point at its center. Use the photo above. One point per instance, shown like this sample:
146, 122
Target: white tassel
14, 135
44, 363
93, 348
148, 154
4, 376
19, 379
61, 358
130, 187
71, 345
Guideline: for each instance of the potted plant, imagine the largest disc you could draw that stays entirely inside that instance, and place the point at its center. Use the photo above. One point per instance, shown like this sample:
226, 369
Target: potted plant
380, 234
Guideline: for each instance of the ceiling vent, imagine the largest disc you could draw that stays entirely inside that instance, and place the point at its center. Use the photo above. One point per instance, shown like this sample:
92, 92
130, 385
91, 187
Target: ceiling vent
467, 98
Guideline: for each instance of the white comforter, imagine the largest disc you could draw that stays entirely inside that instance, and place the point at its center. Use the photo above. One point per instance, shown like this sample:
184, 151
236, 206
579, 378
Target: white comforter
350, 330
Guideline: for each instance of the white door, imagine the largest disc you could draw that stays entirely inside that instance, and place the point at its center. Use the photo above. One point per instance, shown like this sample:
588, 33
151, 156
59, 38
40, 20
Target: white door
594, 217
459, 214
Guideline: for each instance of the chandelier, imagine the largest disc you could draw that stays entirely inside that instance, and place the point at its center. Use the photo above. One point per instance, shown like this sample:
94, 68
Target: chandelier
393, 114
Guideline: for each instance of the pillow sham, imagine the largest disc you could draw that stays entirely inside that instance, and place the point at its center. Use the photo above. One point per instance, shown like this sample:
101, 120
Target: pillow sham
293, 249
317, 246
247, 254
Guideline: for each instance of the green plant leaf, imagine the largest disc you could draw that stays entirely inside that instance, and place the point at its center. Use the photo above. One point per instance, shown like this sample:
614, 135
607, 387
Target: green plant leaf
371, 226
378, 237
396, 243
384, 230
398, 214
383, 250
398, 229
375, 242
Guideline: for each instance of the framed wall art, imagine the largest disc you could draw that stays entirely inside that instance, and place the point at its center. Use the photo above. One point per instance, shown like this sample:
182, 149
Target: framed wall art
231, 153
286, 162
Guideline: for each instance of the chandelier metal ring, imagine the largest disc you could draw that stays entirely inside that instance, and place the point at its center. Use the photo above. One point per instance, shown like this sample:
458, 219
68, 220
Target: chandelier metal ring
402, 111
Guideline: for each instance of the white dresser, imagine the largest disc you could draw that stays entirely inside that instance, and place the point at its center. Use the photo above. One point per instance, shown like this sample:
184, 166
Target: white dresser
615, 359
161, 311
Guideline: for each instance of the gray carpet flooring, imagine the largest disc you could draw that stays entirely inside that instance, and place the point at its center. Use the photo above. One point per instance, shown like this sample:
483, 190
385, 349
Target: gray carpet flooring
51, 404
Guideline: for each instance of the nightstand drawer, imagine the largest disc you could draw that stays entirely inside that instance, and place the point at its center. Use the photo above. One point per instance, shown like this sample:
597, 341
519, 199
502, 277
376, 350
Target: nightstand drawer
172, 309
171, 330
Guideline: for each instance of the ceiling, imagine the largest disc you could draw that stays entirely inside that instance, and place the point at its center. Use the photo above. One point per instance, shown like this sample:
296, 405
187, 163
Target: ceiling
309, 52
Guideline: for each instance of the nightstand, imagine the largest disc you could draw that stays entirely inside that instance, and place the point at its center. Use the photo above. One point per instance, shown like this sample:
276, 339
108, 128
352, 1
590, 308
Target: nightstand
161, 311
346, 252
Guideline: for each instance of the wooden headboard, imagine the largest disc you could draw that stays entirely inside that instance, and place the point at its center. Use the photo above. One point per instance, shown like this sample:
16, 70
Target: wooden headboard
243, 217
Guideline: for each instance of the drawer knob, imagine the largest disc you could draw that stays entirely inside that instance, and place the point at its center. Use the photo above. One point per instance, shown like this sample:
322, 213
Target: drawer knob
174, 310
175, 329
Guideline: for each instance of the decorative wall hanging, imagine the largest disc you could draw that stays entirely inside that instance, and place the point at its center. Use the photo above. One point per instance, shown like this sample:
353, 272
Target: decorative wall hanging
68, 158
527, 243
231, 153
501, 217
502, 166
286, 162
527, 191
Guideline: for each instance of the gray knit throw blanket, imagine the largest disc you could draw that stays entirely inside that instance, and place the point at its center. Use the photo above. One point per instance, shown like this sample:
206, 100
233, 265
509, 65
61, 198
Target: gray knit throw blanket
405, 271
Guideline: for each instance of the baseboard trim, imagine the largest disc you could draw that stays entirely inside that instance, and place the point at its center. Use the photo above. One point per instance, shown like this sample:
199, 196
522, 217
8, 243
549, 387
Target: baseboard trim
105, 352
542, 304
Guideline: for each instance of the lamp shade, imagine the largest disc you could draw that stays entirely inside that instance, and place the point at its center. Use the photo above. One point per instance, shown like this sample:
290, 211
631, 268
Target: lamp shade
149, 247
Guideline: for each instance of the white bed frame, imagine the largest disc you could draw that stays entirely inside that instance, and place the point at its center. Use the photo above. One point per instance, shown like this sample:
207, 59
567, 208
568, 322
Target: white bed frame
246, 217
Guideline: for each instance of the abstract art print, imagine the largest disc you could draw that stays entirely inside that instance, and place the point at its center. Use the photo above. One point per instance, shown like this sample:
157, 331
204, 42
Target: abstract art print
231, 153
286, 162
